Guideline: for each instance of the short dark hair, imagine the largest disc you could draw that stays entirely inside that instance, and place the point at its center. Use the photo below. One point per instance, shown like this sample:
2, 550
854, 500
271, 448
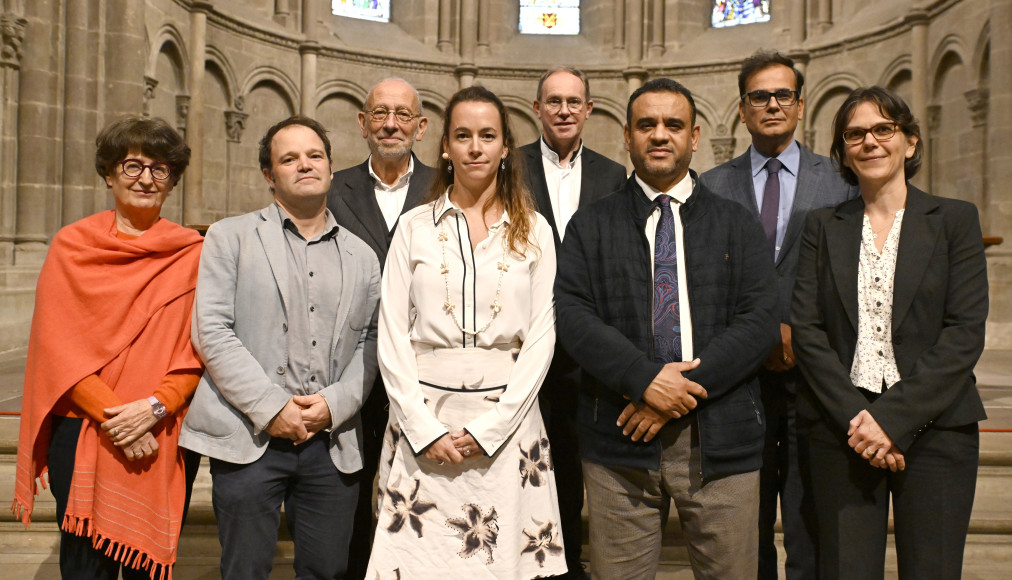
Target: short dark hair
151, 136
763, 59
566, 69
662, 85
891, 106
265, 143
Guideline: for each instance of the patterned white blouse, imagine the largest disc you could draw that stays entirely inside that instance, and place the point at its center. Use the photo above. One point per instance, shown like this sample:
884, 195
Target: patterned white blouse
874, 359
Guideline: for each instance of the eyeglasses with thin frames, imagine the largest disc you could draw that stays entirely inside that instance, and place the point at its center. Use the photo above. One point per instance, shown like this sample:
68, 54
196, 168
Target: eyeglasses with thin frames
380, 115
554, 105
784, 97
133, 168
881, 132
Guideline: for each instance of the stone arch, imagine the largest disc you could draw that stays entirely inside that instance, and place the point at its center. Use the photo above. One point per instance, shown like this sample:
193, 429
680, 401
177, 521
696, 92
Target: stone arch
169, 41
432, 101
269, 75
336, 87
950, 51
821, 107
982, 55
900, 66
218, 60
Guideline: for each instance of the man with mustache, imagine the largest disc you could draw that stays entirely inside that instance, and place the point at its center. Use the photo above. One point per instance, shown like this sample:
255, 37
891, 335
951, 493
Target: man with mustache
770, 107
283, 318
665, 297
562, 174
367, 199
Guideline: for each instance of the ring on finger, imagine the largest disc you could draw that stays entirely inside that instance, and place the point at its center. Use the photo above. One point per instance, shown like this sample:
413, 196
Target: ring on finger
870, 452
467, 451
115, 432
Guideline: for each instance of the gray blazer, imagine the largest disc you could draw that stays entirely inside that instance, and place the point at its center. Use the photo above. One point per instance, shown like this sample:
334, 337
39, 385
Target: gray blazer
819, 185
239, 327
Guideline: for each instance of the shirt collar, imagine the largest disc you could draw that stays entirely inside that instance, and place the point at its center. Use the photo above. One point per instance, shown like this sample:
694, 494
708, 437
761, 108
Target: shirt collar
403, 179
330, 226
552, 155
680, 191
790, 157
443, 206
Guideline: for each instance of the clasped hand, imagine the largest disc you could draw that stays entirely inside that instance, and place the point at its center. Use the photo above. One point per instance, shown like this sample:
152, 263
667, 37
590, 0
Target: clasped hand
302, 417
669, 396
455, 447
129, 426
870, 441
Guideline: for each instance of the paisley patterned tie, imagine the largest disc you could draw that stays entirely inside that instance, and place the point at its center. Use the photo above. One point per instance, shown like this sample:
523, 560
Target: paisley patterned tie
667, 325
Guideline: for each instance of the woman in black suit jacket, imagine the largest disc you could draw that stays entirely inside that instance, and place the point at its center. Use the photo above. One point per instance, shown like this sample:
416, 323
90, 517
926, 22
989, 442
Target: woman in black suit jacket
888, 315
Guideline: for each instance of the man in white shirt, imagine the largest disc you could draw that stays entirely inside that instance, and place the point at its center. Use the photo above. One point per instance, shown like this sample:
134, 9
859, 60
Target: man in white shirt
563, 176
669, 400
368, 199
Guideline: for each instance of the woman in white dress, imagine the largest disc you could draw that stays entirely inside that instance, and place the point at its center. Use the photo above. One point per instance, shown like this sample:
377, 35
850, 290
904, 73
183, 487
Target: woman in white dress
466, 334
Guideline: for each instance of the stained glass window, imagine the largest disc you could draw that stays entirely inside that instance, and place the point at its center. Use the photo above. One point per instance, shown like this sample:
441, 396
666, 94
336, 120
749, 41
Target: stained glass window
549, 16
734, 12
378, 10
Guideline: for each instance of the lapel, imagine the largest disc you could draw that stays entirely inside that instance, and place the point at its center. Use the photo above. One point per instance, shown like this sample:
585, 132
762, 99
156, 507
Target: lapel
843, 236
349, 282
921, 227
539, 183
740, 181
359, 195
272, 236
418, 187
805, 196
588, 184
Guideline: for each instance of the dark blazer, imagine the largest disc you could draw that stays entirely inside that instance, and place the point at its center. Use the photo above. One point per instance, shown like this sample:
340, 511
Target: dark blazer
599, 176
603, 293
819, 185
352, 200
940, 303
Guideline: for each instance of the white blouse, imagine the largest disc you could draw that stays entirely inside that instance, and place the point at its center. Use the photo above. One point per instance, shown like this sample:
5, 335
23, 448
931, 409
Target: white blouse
414, 314
874, 359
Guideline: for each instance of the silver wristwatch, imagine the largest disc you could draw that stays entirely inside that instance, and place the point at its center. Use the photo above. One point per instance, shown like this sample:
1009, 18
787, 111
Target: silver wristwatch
157, 408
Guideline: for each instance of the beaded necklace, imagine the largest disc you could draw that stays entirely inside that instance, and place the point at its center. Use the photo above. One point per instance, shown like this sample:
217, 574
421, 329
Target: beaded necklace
449, 306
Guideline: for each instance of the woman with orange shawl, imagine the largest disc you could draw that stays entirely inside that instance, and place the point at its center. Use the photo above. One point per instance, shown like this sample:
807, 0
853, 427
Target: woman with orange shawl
110, 367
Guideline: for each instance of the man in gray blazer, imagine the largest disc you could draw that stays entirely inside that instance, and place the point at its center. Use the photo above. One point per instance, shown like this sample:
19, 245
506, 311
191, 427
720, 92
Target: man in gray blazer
779, 180
563, 175
367, 200
284, 320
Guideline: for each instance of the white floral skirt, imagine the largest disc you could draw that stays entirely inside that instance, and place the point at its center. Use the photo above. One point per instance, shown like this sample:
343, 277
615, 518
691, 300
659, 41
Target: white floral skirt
490, 517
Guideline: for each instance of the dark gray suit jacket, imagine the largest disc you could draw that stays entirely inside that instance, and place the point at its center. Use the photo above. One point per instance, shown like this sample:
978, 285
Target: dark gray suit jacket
600, 176
352, 200
819, 185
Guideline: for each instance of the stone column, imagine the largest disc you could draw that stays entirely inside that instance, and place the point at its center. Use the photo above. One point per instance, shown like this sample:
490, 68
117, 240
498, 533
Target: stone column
310, 24
634, 73
918, 21
801, 58
977, 101
998, 215
309, 52
796, 9
445, 42
12, 34
932, 120
825, 15
193, 200
618, 26
150, 84
83, 193
125, 58
467, 71
182, 112
656, 29
484, 18
282, 12
722, 144
235, 124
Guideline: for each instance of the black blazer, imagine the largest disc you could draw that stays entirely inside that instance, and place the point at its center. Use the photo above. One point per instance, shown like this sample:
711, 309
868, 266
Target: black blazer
940, 303
352, 200
599, 176
819, 185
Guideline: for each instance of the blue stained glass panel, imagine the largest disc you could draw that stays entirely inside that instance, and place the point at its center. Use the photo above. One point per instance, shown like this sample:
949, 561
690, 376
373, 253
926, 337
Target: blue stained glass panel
735, 12
550, 17
377, 10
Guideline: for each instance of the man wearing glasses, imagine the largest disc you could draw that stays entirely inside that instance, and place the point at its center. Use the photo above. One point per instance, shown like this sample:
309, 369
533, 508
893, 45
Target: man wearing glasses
563, 176
779, 180
367, 199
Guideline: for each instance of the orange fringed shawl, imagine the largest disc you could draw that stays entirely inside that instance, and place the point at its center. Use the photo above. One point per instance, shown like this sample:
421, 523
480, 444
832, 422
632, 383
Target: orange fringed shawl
120, 309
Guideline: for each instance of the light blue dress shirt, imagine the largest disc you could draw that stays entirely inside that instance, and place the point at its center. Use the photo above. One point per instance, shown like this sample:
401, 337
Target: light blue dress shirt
791, 159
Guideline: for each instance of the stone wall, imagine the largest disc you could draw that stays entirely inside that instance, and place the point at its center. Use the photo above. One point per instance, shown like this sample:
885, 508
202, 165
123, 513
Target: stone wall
222, 72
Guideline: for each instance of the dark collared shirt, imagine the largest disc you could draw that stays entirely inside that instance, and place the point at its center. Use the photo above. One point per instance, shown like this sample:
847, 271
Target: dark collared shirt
314, 288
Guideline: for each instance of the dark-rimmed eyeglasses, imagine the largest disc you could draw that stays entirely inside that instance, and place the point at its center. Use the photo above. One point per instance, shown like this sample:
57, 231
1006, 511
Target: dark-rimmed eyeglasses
784, 97
881, 132
380, 115
554, 105
133, 168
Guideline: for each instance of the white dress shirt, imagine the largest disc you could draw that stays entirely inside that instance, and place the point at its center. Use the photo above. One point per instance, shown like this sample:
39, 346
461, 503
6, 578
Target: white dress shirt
563, 184
413, 314
391, 198
679, 193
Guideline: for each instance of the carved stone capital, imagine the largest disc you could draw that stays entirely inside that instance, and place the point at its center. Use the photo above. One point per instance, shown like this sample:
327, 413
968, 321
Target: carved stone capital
12, 34
809, 136
235, 123
150, 84
723, 149
934, 117
978, 100
182, 110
